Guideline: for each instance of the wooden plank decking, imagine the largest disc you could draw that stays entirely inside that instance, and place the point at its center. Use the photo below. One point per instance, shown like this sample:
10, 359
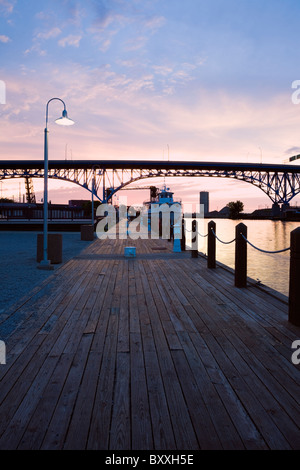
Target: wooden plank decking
155, 353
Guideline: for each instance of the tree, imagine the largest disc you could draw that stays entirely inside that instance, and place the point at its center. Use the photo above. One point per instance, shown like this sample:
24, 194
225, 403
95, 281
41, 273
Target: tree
87, 207
153, 192
235, 208
6, 200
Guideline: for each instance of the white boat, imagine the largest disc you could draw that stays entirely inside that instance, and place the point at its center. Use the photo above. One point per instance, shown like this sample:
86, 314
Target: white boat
162, 202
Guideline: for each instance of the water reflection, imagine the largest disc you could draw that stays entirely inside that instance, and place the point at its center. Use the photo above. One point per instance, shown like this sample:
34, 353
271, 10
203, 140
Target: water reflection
271, 269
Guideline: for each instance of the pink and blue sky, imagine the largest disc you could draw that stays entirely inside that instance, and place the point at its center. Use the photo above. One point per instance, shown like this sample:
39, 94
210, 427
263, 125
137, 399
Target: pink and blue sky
204, 80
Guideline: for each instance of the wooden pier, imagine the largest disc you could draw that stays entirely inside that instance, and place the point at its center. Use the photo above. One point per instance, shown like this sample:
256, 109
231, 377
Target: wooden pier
155, 352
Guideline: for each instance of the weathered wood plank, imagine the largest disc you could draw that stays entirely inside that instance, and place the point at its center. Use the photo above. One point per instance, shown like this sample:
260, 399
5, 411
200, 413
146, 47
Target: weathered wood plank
155, 352
206, 433
57, 427
225, 428
140, 412
99, 431
23, 384
120, 435
163, 435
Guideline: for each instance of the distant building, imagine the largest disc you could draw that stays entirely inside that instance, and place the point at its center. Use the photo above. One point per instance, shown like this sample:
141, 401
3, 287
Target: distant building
204, 200
78, 202
27, 211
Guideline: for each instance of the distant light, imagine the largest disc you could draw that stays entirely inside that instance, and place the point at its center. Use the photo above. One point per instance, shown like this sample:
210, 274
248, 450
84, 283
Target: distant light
64, 120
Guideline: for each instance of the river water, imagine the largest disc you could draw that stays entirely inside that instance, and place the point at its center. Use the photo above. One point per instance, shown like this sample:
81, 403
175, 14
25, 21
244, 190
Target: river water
271, 269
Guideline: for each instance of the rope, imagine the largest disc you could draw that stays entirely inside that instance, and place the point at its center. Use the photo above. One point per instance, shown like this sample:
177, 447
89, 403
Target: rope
228, 243
264, 251
191, 231
225, 243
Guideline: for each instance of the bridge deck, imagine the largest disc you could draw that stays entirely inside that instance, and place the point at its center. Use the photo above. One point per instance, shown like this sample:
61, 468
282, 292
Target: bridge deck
281, 183
156, 352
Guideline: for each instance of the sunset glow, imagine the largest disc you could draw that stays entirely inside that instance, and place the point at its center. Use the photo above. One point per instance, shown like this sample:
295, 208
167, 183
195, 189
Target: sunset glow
195, 80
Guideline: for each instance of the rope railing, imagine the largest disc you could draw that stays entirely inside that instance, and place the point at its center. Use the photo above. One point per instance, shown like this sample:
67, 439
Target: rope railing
264, 251
240, 269
221, 241
228, 243
196, 233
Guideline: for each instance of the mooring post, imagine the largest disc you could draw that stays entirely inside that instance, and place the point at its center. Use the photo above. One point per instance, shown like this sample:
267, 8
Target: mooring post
177, 238
194, 239
294, 298
182, 234
211, 245
171, 236
240, 255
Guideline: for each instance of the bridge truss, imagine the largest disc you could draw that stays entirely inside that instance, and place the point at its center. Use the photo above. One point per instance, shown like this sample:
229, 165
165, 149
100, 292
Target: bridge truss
104, 178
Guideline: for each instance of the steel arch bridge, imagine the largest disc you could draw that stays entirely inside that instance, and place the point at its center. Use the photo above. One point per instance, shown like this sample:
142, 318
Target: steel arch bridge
105, 177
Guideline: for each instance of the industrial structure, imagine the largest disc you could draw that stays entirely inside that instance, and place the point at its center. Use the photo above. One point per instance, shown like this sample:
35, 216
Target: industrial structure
204, 201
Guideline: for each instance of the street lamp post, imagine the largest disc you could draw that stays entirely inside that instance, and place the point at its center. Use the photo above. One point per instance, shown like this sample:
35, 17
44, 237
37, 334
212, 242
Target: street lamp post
63, 121
93, 189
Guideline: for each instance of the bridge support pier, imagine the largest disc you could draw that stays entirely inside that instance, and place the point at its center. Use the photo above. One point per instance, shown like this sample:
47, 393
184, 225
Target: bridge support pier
275, 210
284, 207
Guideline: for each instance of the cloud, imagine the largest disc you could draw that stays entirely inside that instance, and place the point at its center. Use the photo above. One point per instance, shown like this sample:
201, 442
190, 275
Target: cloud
129, 24
36, 47
154, 23
294, 150
136, 43
4, 39
118, 116
52, 33
100, 9
163, 70
6, 7
126, 114
39, 38
71, 40
104, 28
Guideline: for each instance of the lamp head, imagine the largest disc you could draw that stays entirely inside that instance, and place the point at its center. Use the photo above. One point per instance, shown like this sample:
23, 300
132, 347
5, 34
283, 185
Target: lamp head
64, 120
